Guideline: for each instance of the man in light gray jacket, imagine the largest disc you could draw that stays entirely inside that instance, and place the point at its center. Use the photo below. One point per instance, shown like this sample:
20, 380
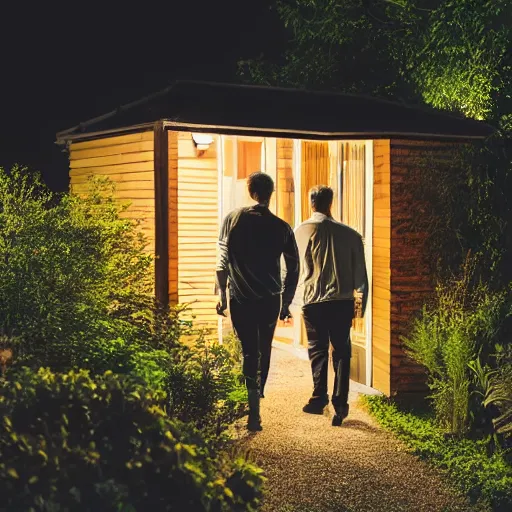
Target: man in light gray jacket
333, 268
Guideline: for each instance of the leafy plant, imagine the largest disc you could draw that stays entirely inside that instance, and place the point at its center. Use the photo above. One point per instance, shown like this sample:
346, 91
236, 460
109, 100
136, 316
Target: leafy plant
206, 386
494, 386
452, 54
499, 393
465, 461
76, 282
462, 320
73, 442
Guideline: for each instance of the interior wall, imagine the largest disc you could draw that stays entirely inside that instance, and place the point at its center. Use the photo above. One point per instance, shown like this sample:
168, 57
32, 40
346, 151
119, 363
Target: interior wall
285, 189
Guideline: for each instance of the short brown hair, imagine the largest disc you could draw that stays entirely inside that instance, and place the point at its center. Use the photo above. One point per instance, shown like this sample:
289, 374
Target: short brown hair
321, 198
260, 185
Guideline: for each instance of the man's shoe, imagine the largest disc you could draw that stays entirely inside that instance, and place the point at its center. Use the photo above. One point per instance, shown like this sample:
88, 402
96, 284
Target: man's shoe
254, 424
341, 414
316, 405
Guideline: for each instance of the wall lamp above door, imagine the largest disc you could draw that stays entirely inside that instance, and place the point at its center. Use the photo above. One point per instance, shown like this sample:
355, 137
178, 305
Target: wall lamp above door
202, 141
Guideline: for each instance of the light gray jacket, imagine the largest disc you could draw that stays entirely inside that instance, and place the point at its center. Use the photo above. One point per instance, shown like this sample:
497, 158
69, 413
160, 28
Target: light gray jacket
332, 261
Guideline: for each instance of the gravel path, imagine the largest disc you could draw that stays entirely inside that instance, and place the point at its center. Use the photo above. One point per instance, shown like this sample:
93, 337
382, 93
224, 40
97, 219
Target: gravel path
313, 467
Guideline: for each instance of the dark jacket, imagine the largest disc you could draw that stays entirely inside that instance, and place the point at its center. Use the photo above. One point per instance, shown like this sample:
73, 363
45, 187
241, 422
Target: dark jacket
251, 243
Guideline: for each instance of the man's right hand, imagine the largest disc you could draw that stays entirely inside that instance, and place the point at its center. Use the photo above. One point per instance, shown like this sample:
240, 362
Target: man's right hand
285, 315
222, 305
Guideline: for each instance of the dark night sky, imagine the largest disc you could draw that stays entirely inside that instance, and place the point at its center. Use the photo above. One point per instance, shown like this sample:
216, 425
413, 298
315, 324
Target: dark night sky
62, 63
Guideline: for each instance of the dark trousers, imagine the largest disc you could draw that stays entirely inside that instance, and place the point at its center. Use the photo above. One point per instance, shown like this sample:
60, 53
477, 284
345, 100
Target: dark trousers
254, 323
330, 321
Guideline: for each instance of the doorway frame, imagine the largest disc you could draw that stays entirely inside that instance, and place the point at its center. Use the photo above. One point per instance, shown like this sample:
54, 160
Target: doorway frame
269, 164
335, 159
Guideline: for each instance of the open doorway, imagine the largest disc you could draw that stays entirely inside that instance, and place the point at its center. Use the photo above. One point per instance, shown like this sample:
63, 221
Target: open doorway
296, 166
239, 157
347, 167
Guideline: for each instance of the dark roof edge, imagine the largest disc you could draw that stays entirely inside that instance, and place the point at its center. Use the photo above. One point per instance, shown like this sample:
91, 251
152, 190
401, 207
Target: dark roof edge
112, 113
264, 132
63, 137
333, 135
422, 107
166, 90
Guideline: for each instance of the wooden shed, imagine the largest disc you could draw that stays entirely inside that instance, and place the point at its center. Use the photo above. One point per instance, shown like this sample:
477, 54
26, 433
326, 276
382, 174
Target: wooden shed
181, 157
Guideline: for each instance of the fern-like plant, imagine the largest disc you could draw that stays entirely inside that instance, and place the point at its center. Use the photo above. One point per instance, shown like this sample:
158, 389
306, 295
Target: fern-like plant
462, 321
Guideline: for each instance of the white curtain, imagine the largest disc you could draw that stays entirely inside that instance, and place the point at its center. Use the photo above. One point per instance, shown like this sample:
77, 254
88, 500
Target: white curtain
354, 207
354, 186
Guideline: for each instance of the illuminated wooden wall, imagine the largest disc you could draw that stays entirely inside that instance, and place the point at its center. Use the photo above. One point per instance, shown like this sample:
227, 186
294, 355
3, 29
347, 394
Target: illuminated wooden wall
195, 178
381, 267
128, 161
402, 281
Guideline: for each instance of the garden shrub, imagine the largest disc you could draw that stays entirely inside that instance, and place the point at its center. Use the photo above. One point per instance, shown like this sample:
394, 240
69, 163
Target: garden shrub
76, 284
465, 206
494, 389
71, 269
72, 442
466, 461
76, 296
462, 321
499, 393
206, 385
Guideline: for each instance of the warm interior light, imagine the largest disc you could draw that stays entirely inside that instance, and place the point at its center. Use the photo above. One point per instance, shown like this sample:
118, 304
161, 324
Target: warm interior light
202, 141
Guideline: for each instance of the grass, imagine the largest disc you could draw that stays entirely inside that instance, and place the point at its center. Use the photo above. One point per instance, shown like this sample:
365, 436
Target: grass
465, 462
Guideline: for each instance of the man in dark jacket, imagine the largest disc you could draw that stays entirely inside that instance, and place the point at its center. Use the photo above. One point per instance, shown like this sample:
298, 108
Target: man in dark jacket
251, 243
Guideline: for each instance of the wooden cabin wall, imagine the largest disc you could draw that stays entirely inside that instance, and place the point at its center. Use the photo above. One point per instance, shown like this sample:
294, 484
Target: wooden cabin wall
172, 155
411, 279
194, 250
128, 161
381, 268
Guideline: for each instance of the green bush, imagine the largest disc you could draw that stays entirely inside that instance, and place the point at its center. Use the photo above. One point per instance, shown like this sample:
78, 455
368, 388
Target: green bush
71, 269
465, 461
73, 442
76, 283
462, 321
494, 389
206, 386
499, 393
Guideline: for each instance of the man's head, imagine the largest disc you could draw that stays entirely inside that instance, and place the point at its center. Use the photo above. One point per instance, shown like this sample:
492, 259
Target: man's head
321, 199
261, 187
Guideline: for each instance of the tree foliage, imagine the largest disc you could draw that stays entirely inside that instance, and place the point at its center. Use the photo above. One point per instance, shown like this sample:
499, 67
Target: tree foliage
451, 54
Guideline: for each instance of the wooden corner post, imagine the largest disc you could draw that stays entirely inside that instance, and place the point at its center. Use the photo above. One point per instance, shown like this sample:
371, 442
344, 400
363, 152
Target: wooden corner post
161, 214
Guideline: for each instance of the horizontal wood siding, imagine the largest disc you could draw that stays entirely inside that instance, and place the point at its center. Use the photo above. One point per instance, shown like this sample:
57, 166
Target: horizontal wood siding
381, 268
173, 217
411, 280
197, 229
128, 161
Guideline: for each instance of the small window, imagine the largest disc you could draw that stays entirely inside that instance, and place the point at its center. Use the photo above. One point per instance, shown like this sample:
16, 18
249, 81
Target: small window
249, 158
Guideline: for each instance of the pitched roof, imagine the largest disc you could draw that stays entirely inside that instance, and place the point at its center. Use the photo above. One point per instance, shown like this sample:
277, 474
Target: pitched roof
276, 111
